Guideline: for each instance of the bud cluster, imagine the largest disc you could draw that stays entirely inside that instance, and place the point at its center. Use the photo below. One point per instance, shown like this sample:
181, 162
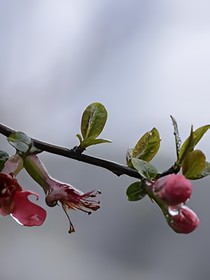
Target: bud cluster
173, 191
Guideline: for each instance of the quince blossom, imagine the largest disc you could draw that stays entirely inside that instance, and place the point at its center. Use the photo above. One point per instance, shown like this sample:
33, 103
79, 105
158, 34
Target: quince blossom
71, 198
68, 196
14, 201
183, 219
171, 193
173, 189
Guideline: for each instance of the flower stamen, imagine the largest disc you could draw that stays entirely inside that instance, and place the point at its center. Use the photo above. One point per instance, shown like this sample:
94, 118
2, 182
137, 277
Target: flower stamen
71, 226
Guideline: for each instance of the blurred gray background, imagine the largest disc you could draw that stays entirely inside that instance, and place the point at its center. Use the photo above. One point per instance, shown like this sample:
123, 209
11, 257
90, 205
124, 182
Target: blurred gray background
144, 60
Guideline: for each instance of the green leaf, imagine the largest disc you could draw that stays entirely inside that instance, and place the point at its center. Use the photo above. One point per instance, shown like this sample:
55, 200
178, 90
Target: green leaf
128, 158
79, 137
90, 142
192, 141
147, 146
3, 158
93, 120
186, 147
199, 132
136, 191
178, 141
206, 171
194, 164
145, 169
20, 141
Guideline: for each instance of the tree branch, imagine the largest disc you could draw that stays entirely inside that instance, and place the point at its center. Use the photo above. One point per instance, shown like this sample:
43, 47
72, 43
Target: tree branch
114, 167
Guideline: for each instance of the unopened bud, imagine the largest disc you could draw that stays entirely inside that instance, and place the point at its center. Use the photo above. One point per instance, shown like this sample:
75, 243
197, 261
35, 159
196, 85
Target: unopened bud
173, 189
183, 220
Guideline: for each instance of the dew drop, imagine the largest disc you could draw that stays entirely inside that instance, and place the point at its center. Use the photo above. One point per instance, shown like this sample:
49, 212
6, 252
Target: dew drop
173, 211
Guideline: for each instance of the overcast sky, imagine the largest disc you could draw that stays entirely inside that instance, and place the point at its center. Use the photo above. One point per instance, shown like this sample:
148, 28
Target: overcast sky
144, 60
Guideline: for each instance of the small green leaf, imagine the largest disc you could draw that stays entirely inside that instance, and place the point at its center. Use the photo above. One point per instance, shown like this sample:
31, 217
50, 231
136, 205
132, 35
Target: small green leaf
90, 142
93, 120
129, 157
186, 147
136, 191
192, 141
3, 158
194, 164
199, 132
146, 148
178, 141
20, 141
206, 171
145, 169
79, 137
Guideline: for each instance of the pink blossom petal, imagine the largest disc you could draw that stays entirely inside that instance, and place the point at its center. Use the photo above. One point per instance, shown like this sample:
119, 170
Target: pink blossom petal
26, 212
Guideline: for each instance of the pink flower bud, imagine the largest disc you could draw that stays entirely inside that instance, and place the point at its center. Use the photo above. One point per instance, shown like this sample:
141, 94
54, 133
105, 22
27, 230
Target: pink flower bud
183, 219
173, 189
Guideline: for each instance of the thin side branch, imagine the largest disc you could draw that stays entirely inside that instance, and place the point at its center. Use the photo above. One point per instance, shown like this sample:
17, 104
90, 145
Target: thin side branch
114, 167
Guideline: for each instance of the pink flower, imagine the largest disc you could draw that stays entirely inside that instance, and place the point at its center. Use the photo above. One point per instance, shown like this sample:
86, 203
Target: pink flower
183, 219
173, 189
67, 195
14, 201
71, 198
